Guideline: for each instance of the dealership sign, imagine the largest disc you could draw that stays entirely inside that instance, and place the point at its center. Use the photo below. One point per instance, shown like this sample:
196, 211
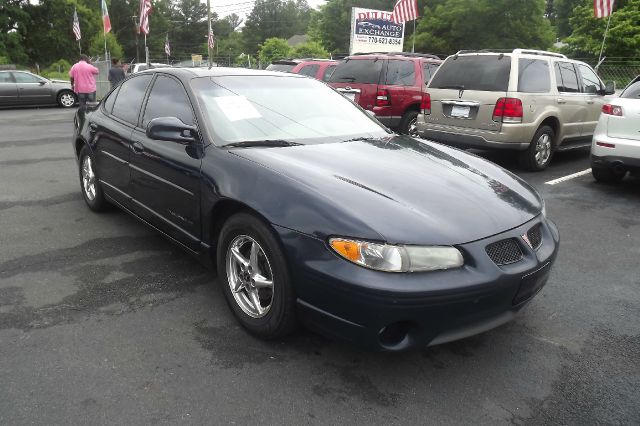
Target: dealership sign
373, 31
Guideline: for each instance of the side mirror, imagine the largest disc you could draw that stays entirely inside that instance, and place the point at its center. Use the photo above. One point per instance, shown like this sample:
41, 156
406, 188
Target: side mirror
610, 88
171, 129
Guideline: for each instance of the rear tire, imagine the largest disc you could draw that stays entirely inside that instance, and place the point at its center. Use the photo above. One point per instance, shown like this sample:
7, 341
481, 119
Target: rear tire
538, 155
606, 175
408, 124
67, 99
89, 182
266, 311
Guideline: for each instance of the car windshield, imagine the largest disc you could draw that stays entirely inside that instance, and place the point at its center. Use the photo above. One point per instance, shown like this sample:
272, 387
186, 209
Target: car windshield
279, 108
363, 71
474, 72
281, 67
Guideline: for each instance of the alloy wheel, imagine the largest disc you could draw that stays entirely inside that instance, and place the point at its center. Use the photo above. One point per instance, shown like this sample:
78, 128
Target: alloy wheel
249, 276
543, 149
67, 100
88, 179
413, 128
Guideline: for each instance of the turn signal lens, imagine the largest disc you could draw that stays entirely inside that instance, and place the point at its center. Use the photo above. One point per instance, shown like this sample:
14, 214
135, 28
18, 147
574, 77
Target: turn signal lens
392, 258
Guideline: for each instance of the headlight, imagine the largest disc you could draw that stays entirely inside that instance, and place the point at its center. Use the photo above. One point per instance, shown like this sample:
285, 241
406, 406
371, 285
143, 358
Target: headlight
392, 258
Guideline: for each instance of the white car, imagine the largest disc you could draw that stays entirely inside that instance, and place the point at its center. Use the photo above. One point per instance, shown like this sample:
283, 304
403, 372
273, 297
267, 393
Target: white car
615, 149
142, 66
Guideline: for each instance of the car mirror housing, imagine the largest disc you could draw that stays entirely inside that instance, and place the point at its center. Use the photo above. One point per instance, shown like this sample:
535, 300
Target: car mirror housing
171, 129
610, 88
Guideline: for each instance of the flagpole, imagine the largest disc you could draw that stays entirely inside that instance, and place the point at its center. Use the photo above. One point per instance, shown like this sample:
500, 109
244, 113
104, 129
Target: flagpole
209, 51
146, 50
79, 47
413, 41
605, 36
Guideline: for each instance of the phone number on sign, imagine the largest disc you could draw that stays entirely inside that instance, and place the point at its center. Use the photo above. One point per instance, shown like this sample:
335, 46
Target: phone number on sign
384, 40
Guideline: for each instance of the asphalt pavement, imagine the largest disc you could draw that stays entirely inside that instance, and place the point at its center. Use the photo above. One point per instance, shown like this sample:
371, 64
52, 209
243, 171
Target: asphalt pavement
103, 321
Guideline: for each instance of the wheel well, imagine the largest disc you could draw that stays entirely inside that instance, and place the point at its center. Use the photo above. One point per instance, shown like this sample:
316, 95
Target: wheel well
79, 144
412, 107
222, 211
554, 124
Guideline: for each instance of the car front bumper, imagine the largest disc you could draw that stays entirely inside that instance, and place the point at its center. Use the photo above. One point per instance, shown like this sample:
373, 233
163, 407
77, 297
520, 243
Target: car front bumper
396, 311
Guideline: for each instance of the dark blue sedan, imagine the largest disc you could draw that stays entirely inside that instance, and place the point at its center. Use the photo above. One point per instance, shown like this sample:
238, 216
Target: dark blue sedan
312, 212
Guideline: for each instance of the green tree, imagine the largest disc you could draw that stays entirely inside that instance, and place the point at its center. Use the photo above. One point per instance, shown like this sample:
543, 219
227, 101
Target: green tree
273, 49
310, 49
274, 18
96, 46
623, 39
13, 19
459, 24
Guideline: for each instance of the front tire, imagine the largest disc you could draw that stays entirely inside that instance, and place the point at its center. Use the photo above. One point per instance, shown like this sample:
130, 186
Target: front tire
254, 277
540, 151
89, 183
67, 99
408, 124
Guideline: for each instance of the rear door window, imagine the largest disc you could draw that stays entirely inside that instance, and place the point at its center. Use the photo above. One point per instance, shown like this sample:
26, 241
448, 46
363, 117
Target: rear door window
400, 73
474, 72
566, 78
327, 72
130, 97
111, 99
590, 81
309, 70
364, 71
533, 76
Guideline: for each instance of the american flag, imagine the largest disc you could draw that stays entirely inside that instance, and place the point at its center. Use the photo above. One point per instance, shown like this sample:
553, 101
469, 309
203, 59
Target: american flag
210, 40
106, 22
602, 8
167, 47
76, 25
145, 10
405, 10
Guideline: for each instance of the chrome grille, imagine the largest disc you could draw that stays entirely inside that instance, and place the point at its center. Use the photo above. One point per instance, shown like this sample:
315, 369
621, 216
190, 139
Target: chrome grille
535, 236
504, 252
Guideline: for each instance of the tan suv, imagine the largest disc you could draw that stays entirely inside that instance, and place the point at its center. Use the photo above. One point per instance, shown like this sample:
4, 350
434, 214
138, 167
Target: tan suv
530, 101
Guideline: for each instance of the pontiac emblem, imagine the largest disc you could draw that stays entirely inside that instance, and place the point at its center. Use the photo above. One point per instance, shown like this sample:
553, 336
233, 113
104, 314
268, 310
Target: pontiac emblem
526, 240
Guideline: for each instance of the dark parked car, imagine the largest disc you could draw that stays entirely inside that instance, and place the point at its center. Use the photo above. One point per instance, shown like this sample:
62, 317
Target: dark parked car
312, 211
21, 88
391, 85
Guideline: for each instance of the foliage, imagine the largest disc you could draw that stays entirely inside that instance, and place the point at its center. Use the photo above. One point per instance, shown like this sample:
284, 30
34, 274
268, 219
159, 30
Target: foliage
623, 39
459, 24
96, 48
61, 65
275, 18
273, 49
55, 75
310, 49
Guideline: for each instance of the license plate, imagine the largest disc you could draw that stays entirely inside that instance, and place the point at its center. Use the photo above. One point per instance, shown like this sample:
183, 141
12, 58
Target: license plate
460, 111
350, 96
532, 283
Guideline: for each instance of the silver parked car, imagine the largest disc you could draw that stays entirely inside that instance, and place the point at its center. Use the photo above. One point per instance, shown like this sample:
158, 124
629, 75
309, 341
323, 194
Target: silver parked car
615, 148
22, 88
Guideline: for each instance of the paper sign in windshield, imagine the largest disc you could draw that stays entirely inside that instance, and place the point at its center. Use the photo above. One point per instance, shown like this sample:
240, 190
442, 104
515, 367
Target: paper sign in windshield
237, 108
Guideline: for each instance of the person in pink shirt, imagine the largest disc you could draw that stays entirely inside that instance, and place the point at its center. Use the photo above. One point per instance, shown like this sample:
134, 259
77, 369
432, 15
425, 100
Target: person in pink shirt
83, 80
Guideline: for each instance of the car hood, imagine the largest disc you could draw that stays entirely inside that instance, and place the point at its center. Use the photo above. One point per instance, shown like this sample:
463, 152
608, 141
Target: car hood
408, 191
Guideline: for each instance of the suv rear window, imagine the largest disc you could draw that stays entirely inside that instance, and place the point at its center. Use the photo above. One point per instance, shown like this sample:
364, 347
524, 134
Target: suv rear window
477, 72
364, 71
280, 67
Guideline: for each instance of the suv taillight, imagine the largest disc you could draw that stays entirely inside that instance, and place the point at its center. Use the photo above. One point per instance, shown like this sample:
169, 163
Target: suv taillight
508, 110
612, 110
383, 98
425, 105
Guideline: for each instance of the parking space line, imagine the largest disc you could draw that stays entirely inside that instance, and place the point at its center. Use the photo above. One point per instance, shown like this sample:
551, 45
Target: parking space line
568, 177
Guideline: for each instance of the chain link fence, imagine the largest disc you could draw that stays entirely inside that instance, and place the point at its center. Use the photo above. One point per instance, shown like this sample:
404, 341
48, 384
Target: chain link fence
620, 70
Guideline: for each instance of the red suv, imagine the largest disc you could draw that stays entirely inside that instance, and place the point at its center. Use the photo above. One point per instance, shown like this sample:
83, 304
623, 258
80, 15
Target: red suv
389, 84
319, 69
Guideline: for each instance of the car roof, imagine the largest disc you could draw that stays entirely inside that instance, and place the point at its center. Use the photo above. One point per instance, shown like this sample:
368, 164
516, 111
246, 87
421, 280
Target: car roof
191, 72
389, 55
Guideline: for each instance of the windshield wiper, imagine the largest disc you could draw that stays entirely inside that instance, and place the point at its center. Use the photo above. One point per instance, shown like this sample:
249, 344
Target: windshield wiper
452, 86
265, 142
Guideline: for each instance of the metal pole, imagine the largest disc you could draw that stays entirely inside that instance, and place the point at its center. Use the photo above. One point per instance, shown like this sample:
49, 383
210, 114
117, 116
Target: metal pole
209, 51
605, 37
146, 50
79, 47
413, 41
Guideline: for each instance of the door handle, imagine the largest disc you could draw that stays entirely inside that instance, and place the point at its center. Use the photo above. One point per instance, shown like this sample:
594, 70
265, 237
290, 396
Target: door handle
137, 147
590, 102
561, 101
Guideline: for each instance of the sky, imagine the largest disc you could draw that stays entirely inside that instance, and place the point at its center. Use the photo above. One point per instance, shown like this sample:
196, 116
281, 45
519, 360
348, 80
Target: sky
243, 7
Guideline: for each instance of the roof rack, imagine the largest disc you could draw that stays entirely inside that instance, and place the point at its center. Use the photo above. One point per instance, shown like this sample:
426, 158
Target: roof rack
416, 55
515, 51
